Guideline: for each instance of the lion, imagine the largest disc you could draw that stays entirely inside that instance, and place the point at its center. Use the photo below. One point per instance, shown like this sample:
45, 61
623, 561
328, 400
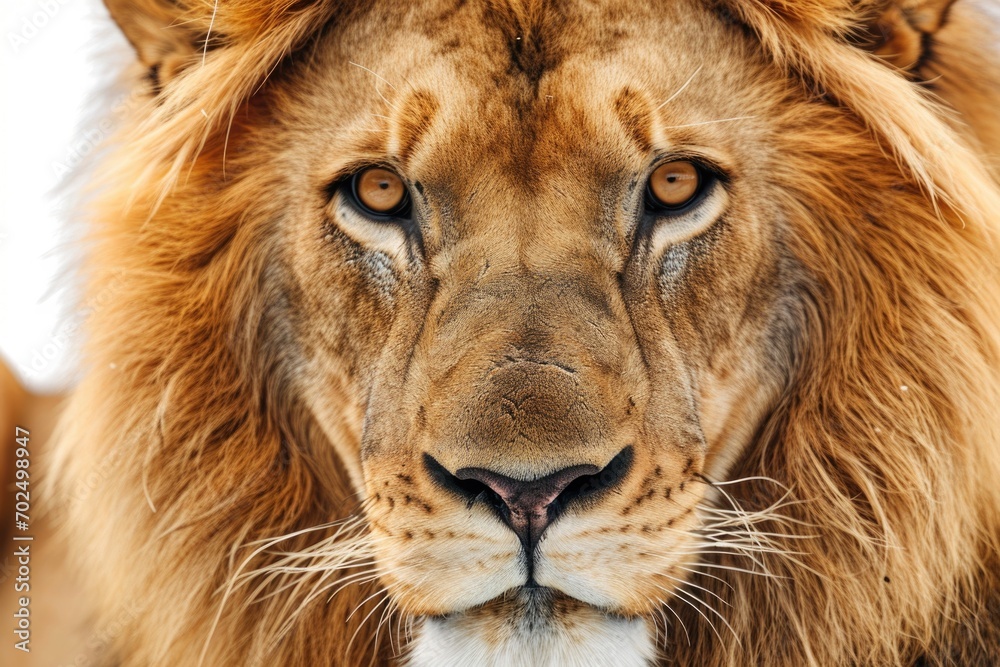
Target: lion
517, 332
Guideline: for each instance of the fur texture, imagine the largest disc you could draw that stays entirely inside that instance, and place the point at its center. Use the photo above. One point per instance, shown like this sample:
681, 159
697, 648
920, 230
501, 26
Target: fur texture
806, 372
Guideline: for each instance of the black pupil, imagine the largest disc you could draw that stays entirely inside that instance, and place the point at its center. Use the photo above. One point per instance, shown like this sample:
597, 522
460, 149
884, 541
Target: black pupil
384, 185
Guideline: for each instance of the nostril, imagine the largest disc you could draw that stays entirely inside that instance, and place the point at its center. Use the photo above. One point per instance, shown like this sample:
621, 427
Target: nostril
589, 486
471, 490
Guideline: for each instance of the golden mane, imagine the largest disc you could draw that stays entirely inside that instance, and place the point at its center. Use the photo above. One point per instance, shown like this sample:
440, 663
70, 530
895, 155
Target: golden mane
887, 435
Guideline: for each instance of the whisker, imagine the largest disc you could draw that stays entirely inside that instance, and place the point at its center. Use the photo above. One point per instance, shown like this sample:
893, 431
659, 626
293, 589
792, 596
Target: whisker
681, 89
733, 568
684, 582
741, 480
708, 122
706, 574
695, 598
666, 605
345, 557
386, 620
365, 619
377, 90
699, 612
373, 73
208, 33
656, 616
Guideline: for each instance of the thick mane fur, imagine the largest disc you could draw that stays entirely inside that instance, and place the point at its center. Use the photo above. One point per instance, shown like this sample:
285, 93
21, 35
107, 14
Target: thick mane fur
887, 435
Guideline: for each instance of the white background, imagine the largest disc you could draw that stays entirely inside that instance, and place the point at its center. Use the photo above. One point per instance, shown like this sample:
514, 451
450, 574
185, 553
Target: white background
53, 55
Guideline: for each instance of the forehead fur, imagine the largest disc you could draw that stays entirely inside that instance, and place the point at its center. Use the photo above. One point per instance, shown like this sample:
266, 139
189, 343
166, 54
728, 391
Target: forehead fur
253, 38
527, 82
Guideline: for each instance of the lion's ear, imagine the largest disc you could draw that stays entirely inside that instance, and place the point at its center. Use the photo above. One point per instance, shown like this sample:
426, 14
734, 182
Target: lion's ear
901, 33
897, 31
161, 33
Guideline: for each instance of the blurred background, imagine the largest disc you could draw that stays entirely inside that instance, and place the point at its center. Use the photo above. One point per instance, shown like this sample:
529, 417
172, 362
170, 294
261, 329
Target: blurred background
55, 58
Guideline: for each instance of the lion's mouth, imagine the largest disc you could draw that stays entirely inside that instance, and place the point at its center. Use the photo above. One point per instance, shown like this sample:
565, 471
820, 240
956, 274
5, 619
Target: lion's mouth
532, 606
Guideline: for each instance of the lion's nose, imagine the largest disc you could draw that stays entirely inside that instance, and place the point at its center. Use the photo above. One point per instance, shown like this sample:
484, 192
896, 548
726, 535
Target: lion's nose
529, 506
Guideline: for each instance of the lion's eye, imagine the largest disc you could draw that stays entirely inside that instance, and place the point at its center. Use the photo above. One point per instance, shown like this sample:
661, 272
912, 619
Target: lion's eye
380, 193
674, 185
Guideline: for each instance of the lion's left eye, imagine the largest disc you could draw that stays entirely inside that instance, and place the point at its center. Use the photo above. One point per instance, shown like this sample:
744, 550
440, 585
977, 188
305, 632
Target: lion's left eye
674, 185
380, 193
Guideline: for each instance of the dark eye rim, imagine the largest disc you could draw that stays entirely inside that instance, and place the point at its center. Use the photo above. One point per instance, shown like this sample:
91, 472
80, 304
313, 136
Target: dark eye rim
708, 176
348, 188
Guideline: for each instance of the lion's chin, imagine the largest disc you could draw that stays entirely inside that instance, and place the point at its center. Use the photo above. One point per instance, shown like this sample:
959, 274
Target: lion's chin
532, 628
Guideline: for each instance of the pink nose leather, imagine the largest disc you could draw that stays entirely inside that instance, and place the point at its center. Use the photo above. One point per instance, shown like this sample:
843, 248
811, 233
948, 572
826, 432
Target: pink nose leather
528, 502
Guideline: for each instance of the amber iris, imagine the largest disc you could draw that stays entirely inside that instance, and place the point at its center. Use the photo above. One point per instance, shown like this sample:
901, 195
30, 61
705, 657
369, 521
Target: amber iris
380, 191
674, 184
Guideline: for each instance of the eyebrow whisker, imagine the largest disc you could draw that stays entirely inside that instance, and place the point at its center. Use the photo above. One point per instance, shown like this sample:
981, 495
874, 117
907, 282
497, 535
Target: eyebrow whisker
708, 122
373, 73
681, 89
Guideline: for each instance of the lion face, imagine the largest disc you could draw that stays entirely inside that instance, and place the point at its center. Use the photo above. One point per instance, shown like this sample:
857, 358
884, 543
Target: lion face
553, 268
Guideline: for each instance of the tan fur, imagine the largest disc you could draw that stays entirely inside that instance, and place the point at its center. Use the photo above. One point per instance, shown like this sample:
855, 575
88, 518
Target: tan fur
807, 375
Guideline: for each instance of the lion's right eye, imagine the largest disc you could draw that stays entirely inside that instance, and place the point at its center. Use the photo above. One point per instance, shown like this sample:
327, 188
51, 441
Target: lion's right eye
674, 185
379, 193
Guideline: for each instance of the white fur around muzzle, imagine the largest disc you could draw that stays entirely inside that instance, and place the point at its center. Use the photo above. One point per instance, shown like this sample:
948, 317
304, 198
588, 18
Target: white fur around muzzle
594, 641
